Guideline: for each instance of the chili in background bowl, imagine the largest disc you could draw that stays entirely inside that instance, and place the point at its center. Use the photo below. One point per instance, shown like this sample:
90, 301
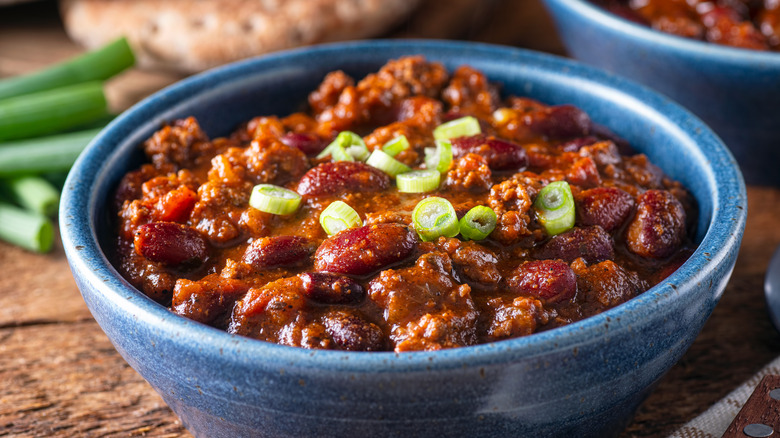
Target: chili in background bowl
583, 379
735, 91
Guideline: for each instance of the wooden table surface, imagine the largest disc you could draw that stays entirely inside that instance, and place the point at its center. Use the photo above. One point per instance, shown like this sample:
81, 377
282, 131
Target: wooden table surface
60, 376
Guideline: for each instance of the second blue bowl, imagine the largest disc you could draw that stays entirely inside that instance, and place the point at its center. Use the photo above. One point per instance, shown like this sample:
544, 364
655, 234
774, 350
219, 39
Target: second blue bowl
735, 91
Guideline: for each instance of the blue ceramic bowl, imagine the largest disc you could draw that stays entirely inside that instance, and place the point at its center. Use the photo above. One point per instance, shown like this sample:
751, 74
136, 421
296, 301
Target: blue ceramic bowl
585, 379
735, 91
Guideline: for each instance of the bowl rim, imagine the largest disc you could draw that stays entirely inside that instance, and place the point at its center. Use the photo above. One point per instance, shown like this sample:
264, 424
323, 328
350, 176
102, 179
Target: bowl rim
90, 265
689, 46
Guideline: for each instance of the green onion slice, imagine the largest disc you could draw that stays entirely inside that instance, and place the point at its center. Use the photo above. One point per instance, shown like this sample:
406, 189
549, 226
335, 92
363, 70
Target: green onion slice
478, 223
555, 208
462, 127
418, 181
387, 164
434, 217
396, 145
439, 158
347, 146
274, 199
339, 216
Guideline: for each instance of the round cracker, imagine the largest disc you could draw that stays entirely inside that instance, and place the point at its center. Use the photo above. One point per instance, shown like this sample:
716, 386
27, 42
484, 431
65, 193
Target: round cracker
193, 35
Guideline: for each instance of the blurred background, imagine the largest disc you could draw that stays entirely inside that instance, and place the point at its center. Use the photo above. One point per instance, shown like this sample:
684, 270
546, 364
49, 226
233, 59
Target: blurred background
59, 374
172, 39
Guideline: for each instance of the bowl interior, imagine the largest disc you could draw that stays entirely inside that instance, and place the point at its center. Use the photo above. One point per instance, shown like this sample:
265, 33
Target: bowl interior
279, 84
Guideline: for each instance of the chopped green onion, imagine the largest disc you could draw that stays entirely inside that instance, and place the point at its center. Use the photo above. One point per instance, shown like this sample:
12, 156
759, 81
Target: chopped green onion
339, 153
387, 164
347, 146
339, 216
55, 153
52, 110
99, 64
439, 158
462, 127
555, 208
418, 181
396, 145
478, 223
33, 193
24, 228
434, 217
274, 199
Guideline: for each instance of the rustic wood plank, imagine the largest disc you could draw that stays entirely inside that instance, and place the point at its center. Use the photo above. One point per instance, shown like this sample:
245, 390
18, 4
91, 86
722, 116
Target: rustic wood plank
67, 380
37, 289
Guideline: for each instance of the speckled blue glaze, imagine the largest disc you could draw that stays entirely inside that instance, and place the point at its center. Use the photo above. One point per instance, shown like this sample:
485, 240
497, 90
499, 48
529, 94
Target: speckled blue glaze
583, 380
735, 91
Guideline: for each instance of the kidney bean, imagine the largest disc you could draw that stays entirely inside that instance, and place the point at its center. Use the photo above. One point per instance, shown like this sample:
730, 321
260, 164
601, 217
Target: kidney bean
277, 251
360, 251
607, 207
658, 228
351, 332
591, 243
561, 122
500, 154
549, 280
342, 176
309, 144
170, 243
331, 288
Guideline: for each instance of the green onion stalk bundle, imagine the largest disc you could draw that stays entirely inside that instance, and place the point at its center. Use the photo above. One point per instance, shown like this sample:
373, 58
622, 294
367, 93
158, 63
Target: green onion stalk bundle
46, 120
